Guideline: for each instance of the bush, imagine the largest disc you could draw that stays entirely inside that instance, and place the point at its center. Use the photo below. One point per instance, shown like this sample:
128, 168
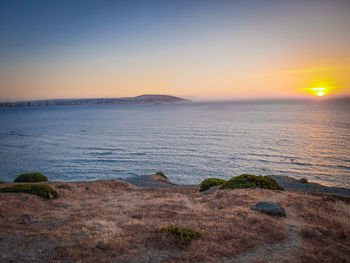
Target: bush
251, 181
64, 186
161, 174
209, 182
1, 182
184, 235
31, 178
303, 181
41, 190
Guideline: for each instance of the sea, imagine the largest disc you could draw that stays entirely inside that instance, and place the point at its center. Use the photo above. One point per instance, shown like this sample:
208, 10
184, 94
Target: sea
188, 142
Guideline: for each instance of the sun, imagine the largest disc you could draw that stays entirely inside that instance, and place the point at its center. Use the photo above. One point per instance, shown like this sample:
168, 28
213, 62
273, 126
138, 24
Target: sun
319, 91
321, 88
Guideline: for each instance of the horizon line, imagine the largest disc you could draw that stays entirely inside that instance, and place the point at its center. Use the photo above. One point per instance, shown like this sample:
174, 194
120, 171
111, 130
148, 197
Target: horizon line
191, 98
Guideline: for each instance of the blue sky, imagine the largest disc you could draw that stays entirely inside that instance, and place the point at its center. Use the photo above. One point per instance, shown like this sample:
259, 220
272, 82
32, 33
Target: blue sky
188, 48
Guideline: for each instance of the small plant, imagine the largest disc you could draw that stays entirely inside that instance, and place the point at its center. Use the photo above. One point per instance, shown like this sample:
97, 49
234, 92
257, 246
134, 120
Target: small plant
303, 181
41, 190
161, 174
64, 186
184, 235
1, 182
209, 182
30, 178
251, 181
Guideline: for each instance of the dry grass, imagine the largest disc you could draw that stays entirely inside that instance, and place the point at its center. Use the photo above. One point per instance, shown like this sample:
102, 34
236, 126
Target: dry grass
326, 233
106, 221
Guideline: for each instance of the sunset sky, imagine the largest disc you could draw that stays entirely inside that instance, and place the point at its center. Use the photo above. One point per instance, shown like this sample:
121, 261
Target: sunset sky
196, 49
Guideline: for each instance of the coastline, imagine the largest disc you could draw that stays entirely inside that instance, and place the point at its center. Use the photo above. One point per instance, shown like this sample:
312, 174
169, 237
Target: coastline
295, 185
289, 183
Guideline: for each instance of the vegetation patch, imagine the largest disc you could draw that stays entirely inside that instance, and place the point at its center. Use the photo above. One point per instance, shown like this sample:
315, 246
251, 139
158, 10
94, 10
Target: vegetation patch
41, 190
64, 186
1, 182
303, 181
183, 235
209, 182
30, 178
161, 174
251, 181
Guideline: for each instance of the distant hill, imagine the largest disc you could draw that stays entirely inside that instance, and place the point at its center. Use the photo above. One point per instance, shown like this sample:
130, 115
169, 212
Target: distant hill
149, 98
142, 99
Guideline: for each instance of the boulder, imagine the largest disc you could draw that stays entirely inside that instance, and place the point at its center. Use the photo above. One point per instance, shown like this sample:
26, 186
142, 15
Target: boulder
270, 208
26, 219
211, 189
100, 245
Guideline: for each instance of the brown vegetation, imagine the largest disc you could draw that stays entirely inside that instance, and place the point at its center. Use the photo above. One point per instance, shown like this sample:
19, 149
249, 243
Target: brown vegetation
326, 234
114, 221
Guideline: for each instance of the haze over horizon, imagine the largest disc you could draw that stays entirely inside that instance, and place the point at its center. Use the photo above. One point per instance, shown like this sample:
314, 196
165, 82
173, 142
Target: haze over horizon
202, 49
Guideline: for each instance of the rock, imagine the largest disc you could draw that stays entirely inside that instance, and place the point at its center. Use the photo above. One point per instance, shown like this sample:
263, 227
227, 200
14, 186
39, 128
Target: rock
96, 225
26, 219
53, 251
270, 208
100, 245
211, 189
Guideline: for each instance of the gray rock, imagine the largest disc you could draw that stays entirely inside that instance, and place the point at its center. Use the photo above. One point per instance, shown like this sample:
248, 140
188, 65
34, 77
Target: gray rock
270, 208
53, 251
96, 225
26, 219
100, 245
211, 189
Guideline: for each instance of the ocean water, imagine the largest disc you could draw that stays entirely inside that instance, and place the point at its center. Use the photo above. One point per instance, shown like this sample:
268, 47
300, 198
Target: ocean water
188, 142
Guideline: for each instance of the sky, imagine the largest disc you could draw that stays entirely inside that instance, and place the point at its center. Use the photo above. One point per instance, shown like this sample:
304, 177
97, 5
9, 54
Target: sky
194, 49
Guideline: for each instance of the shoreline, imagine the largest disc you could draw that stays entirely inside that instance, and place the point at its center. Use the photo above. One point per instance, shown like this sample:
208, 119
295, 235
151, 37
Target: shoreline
289, 183
154, 181
292, 184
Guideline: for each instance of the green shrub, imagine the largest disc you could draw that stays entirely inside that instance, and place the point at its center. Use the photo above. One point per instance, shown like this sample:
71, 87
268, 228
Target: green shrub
161, 174
209, 182
303, 181
1, 182
64, 186
41, 190
251, 181
30, 178
184, 235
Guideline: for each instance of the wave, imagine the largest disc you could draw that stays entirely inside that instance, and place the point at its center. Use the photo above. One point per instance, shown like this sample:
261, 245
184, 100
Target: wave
100, 153
99, 148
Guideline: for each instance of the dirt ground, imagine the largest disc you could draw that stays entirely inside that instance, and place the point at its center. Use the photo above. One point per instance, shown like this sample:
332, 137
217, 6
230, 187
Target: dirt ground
115, 221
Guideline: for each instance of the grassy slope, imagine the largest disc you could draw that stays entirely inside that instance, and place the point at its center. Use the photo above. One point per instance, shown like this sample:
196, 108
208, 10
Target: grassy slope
97, 221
